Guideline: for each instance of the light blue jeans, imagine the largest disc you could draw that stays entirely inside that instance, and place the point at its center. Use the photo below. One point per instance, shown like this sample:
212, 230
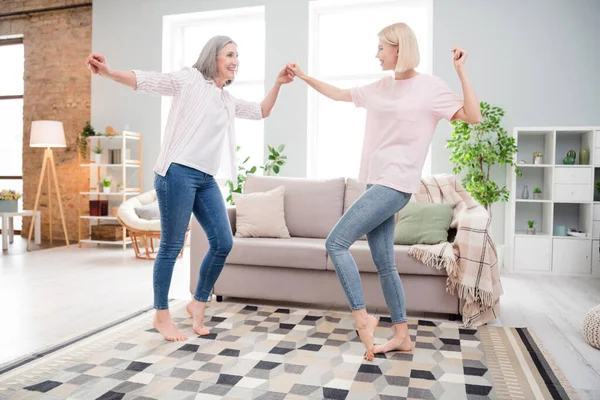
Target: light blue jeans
372, 214
180, 192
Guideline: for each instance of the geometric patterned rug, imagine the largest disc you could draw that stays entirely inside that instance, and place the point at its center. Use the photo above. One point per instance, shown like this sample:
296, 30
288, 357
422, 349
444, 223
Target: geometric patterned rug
279, 353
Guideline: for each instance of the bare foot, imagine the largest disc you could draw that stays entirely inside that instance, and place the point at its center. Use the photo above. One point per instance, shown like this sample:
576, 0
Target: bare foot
366, 331
196, 310
165, 326
396, 344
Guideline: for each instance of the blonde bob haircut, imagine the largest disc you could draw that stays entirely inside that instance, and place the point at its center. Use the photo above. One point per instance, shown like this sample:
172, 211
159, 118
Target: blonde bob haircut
403, 37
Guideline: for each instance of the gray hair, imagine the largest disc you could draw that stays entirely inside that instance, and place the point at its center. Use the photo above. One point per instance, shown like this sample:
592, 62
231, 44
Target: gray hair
207, 61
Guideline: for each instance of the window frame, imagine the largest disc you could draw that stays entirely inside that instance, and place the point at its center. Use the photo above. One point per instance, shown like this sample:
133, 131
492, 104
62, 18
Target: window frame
11, 42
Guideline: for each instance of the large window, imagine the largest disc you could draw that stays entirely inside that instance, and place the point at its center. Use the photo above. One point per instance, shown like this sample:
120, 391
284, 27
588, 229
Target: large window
343, 43
184, 38
11, 116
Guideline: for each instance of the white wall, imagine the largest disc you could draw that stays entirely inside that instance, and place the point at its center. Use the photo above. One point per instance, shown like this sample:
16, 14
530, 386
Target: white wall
538, 59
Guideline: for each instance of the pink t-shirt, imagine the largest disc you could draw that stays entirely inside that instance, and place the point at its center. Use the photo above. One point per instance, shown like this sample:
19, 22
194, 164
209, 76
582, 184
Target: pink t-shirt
401, 118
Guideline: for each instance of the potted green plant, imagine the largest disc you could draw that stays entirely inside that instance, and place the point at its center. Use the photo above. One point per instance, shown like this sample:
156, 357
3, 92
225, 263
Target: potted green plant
276, 160
475, 149
9, 201
98, 154
272, 167
530, 227
537, 193
106, 182
86, 132
537, 158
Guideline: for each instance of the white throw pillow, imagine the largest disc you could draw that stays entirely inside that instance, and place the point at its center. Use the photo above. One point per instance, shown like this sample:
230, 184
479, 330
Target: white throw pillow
261, 214
148, 211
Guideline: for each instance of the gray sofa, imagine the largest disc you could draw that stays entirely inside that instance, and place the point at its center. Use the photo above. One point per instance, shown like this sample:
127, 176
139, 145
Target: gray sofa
298, 269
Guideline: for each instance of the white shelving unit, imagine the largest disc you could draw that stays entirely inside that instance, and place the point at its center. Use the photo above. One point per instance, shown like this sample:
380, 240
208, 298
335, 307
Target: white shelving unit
122, 174
569, 199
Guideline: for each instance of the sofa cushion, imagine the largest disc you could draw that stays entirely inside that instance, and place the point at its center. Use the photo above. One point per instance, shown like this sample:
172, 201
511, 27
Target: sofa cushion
148, 211
405, 264
354, 189
295, 252
420, 223
312, 206
260, 214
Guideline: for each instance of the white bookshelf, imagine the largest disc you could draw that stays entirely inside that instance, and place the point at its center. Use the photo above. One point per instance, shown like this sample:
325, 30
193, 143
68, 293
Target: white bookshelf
123, 174
569, 199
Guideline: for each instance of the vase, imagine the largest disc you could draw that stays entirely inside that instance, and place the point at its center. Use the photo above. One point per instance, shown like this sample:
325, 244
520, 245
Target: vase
9, 206
538, 160
537, 196
97, 158
584, 156
531, 231
525, 192
570, 158
106, 189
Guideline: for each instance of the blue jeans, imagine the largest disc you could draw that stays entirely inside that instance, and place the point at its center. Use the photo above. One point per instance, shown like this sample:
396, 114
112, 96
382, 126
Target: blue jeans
180, 192
372, 214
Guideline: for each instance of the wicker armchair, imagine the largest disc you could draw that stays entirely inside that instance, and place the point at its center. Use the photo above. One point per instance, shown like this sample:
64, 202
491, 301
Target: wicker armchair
143, 232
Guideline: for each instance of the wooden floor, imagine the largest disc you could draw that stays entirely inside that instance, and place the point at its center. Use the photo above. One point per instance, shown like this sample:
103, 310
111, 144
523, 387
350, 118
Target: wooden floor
51, 295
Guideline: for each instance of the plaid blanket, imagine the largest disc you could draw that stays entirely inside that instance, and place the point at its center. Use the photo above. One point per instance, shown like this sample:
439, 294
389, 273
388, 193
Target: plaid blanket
471, 260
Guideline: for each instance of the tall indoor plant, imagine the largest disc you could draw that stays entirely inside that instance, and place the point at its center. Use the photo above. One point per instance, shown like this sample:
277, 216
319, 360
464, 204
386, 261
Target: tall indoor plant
475, 149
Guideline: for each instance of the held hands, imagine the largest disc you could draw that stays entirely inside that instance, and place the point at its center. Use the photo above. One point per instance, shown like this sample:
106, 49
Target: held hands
459, 56
284, 77
97, 64
294, 70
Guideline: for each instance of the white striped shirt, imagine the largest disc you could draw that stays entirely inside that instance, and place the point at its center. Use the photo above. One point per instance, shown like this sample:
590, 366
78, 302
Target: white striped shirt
190, 97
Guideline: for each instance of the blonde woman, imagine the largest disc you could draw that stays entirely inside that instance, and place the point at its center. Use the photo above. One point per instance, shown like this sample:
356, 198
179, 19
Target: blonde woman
200, 129
402, 113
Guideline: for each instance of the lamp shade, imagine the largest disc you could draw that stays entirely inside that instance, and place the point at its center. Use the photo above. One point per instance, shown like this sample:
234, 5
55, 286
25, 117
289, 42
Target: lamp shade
47, 134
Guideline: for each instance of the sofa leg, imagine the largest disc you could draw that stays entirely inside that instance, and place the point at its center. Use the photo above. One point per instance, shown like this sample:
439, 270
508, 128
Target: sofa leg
219, 299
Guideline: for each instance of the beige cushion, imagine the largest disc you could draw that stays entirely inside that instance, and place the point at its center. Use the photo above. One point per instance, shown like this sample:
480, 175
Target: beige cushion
354, 189
260, 214
148, 211
127, 214
312, 207
405, 264
304, 253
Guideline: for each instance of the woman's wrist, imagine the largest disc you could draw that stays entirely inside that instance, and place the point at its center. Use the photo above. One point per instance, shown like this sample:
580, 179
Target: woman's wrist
461, 70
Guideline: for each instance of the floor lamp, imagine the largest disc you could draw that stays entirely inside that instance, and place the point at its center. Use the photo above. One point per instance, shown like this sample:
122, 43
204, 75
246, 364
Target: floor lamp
47, 134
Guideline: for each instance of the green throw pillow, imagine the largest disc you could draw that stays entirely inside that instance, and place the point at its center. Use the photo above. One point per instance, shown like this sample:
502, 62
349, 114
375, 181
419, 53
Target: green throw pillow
420, 223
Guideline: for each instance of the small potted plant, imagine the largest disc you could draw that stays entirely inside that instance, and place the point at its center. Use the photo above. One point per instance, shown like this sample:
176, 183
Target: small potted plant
9, 201
86, 132
530, 227
537, 158
537, 193
97, 154
106, 182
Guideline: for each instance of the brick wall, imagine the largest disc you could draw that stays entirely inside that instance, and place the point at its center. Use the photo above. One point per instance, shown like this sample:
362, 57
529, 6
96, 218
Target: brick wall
57, 87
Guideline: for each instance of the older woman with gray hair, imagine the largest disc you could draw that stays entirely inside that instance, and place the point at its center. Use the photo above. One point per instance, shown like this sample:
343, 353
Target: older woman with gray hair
199, 138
